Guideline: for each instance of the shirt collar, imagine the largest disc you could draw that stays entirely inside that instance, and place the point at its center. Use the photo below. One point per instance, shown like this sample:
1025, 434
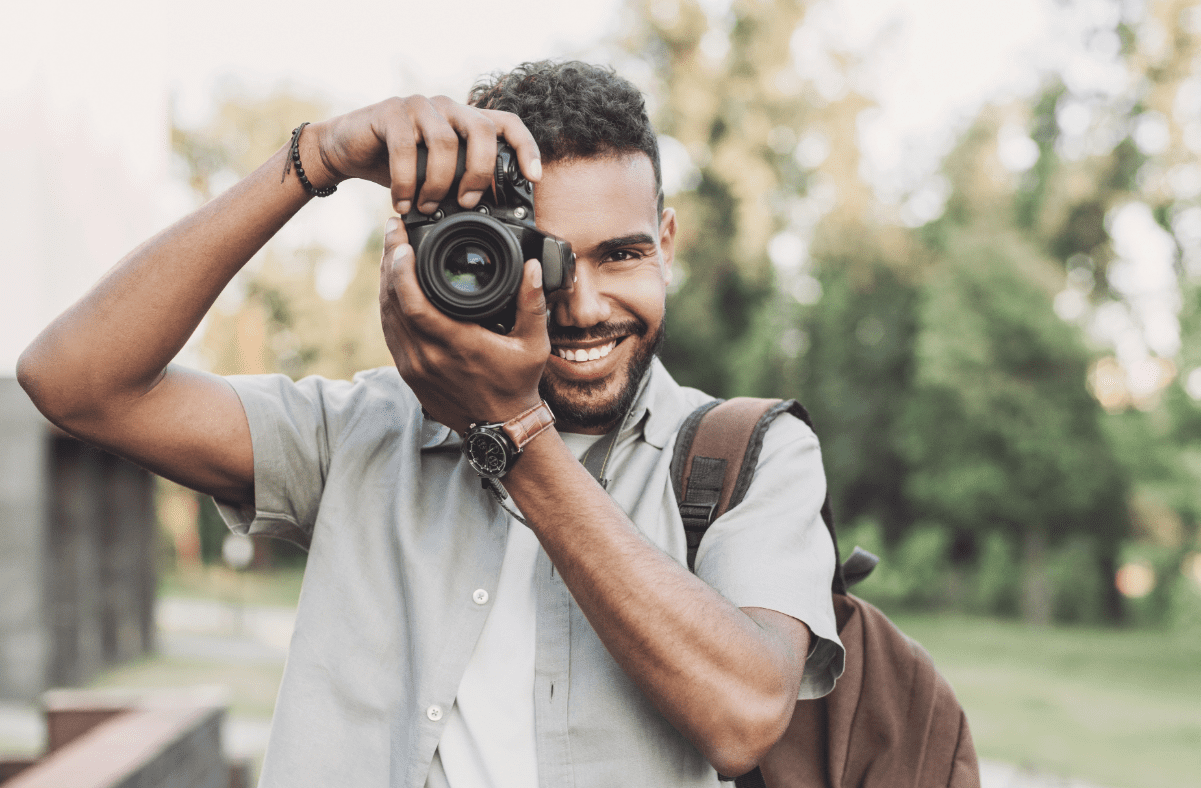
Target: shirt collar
660, 407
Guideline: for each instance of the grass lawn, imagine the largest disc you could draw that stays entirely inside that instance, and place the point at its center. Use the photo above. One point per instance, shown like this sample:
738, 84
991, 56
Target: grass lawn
1116, 707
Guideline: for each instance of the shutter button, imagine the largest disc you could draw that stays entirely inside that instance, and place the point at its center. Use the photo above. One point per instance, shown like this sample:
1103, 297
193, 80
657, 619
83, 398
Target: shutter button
434, 713
480, 596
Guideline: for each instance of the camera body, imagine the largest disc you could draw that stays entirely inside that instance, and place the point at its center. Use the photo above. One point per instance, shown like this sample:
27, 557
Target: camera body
470, 260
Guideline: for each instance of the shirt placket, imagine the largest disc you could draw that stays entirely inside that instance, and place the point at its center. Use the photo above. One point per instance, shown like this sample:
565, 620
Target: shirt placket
552, 676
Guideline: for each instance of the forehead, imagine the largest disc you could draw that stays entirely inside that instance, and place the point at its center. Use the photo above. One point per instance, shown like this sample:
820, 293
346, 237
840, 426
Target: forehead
590, 200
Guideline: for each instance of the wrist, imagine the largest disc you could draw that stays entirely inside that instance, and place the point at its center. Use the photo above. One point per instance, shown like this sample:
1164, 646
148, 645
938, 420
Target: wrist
317, 166
492, 449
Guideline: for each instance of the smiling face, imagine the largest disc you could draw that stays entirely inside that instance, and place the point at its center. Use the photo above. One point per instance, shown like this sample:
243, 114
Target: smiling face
606, 329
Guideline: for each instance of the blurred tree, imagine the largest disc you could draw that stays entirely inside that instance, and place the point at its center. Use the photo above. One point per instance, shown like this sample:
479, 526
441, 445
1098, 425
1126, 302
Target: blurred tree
731, 102
946, 388
271, 317
1000, 431
777, 198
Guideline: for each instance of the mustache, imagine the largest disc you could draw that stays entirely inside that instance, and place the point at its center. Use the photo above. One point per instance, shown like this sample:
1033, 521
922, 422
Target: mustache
599, 331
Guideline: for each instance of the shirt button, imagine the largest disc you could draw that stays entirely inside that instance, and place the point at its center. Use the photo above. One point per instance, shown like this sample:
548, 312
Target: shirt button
434, 713
480, 596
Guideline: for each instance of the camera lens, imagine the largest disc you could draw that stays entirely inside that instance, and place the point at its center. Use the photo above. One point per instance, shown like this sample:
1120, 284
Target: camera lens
468, 267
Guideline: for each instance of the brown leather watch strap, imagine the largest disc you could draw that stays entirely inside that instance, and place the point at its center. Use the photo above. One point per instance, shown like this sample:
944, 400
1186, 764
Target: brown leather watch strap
525, 427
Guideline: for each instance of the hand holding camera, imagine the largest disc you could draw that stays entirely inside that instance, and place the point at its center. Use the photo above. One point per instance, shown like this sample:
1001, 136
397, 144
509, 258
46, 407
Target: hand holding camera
379, 144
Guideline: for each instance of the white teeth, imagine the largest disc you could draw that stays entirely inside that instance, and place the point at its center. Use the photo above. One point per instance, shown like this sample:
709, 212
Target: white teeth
591, 354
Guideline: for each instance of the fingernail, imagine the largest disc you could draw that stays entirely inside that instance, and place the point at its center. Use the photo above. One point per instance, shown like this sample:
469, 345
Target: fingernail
429, 207
536, 279
536, 169
470, 199
391, 225
402, 251
403, 207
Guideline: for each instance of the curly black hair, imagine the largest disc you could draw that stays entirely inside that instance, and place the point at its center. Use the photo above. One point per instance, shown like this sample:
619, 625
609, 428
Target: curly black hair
574, 110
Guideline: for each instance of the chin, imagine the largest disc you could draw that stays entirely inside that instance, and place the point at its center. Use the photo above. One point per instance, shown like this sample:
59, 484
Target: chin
600, 404
588, 405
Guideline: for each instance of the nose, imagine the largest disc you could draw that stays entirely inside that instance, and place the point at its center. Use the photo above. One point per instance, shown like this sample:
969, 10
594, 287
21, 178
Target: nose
584, 305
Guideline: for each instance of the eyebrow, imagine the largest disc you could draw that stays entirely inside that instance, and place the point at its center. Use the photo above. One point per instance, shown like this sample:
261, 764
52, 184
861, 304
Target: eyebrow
634, 239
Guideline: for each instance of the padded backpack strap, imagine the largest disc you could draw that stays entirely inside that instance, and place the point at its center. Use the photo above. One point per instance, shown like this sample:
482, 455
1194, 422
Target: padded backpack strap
716, 453
716, 442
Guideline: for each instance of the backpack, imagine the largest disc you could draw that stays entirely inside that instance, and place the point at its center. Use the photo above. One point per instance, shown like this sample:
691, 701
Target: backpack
891, 719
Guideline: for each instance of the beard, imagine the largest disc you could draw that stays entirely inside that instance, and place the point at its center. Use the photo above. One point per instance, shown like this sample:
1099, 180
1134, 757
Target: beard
580, 404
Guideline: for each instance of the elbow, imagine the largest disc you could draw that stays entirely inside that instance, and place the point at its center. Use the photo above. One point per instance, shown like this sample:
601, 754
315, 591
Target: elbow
748, 734
42, 381
31, 377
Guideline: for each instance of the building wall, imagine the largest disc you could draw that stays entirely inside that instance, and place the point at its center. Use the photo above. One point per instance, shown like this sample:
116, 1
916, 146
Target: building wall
24, 467
77, 531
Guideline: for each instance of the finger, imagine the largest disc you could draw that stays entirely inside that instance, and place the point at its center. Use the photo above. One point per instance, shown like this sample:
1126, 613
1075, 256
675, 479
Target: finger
399, 135
480, 133
516, 134
442, 143
395, 234
531, 304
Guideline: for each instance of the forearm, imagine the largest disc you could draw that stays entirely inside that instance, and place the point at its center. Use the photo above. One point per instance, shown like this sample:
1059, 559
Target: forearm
114, 343
725, 682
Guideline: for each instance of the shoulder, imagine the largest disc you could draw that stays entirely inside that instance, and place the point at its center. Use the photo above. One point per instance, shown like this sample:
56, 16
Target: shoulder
787, 429
377, 397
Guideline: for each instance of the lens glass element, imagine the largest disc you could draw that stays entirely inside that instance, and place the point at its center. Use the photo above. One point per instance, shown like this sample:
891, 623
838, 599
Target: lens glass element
468, 267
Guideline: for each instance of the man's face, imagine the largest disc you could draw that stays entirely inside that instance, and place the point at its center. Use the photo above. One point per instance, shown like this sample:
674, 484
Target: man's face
605, 331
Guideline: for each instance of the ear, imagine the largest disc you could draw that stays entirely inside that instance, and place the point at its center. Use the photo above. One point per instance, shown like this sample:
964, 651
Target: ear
667, 241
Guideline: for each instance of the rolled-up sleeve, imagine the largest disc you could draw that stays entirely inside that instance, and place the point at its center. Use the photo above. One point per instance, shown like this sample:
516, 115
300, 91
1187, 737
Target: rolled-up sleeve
773, 550
290, 436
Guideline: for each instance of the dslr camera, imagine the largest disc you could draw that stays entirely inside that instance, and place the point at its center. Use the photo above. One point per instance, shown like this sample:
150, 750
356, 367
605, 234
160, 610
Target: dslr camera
470, 260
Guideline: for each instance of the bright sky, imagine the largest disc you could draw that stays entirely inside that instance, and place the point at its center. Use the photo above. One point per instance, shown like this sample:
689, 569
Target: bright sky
93, 80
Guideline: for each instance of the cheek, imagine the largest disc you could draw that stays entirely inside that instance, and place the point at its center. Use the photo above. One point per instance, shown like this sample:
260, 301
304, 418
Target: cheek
641, 293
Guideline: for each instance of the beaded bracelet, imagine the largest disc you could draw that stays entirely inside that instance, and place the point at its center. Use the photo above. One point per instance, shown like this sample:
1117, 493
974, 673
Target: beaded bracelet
294, 158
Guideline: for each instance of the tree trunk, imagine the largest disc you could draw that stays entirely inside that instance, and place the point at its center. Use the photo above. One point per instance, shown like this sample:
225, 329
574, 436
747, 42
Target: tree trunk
1036, 585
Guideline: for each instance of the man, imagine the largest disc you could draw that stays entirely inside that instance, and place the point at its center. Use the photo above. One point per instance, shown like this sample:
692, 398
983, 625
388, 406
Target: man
438, 640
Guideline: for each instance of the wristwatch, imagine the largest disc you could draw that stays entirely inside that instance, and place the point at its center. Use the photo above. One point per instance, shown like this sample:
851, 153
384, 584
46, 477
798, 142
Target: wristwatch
492, 449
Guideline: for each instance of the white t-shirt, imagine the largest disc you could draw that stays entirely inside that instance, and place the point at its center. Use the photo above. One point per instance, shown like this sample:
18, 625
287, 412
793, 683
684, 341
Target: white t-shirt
489, 739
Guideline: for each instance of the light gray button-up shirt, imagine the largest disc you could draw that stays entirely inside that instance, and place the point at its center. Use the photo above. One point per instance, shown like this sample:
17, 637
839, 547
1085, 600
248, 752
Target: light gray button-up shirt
404, 543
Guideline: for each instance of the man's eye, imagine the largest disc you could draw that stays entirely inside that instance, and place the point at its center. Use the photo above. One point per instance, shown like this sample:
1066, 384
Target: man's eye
622, 255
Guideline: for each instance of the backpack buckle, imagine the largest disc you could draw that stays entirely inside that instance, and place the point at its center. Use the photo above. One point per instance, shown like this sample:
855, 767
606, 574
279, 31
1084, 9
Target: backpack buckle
697, 514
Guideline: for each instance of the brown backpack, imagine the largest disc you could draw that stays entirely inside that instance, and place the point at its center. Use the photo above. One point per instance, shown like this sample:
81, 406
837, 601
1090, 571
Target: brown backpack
891, 721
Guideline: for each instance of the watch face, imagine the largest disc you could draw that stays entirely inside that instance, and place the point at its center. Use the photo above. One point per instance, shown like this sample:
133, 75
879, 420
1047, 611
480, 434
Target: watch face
487, 453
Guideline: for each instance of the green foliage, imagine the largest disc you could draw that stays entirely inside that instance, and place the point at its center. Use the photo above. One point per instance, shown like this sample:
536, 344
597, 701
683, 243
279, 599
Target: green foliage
1077, 588
912, 574
1172, 598
999, 429
856, 380
211, 529
1031, 194
998, 577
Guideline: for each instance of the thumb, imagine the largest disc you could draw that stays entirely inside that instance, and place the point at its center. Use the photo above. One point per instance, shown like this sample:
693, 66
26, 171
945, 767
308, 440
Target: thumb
531, 303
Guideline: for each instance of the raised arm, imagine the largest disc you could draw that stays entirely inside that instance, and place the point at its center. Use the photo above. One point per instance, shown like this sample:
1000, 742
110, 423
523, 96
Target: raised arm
102, 371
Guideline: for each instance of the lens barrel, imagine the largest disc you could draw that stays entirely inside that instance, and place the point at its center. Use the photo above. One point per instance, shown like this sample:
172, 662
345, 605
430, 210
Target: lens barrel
469, 266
